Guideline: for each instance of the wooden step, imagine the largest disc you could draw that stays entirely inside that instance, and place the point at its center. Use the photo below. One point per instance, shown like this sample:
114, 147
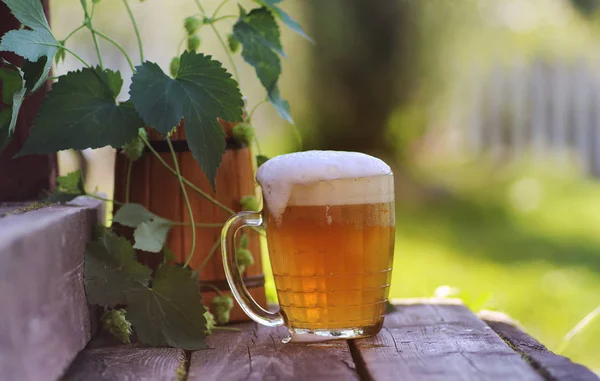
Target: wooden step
44, 315
425, 340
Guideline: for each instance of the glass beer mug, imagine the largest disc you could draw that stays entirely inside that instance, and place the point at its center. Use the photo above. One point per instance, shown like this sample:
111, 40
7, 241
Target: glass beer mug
330, 219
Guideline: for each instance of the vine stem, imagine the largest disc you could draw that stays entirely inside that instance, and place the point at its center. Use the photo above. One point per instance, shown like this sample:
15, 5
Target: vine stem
255, 108
115, 43
88, 24
186, 181
136, 30
200, 7
95, 196
232, 329
191, 185
128, 180
187, 202
215, 288
226, 49
218, 8
249, 119
68, 51
221, 41
224, 18
80, 27
211, 252
199, 224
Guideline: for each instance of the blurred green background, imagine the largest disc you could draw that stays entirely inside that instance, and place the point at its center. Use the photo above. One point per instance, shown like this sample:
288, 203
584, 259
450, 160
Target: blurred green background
487, 110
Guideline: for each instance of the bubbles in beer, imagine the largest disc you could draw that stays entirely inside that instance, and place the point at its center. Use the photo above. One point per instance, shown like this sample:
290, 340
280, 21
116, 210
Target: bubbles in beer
307, 178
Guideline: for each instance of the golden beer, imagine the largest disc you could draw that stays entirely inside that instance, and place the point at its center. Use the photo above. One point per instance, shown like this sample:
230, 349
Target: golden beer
330, 225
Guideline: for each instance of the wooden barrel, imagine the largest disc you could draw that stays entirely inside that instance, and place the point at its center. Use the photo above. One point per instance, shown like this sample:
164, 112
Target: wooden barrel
155, 187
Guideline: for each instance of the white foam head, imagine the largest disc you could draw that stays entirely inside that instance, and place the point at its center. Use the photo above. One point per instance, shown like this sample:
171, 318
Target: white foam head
307, 178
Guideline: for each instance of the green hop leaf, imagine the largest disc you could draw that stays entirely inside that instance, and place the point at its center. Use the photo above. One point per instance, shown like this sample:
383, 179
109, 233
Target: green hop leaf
244, 259
151, 236
249, 203
81, 112
222, 306
171, 311
234, 43
258, 33
61, 53
99, 231
151, 231
261, 159
201, 92
243, 133
13, 93
133, 214
193, 43
71, 183
168, 255
191, 25
284, 17
68, 187
5, 136
12, 81
244, 241
210, 322
115, 323
111, 271
174, 66
134, 149
35, 44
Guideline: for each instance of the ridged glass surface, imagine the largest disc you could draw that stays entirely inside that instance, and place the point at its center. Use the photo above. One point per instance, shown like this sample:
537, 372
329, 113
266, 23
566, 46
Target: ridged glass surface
332, 264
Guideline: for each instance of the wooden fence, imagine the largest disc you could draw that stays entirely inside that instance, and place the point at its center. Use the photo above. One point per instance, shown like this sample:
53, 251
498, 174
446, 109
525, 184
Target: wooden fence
546, 109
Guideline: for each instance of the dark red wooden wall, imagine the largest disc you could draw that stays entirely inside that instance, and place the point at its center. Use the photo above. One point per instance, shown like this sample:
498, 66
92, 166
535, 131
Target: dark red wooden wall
24, 178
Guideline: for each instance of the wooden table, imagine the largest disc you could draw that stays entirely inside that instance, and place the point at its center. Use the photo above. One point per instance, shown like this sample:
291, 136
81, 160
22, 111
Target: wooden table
422, 340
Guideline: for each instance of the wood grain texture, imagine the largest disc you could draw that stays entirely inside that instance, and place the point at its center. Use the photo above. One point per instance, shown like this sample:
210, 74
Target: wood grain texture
44, 319
159, 191
259, 354
550, 365
125, 363
438, 342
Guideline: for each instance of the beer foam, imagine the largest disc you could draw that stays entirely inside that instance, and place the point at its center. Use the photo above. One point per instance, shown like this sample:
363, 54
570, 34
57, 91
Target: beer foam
307, 178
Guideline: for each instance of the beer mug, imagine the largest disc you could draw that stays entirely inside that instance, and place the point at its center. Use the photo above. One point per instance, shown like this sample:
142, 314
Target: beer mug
329, 219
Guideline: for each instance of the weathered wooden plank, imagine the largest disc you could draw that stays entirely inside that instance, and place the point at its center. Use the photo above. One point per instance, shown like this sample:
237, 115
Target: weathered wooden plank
44, 319
126, 363
438, 342
259, 354
550, 365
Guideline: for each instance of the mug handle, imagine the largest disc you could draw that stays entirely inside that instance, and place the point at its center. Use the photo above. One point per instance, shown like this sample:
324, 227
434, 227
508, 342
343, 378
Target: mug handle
232, 272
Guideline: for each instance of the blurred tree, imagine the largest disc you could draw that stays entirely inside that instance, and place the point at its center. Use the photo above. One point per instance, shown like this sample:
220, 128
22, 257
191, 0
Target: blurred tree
364, 67
586, 7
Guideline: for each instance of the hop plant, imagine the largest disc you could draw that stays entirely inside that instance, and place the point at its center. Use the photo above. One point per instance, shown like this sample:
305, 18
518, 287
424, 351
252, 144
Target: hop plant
174, 66
234, 43
244, 241
210, 322
244, 258
191, 25
243, 133
193, 43
115, 322
222, 305
134, 149
260, 160
249, 203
